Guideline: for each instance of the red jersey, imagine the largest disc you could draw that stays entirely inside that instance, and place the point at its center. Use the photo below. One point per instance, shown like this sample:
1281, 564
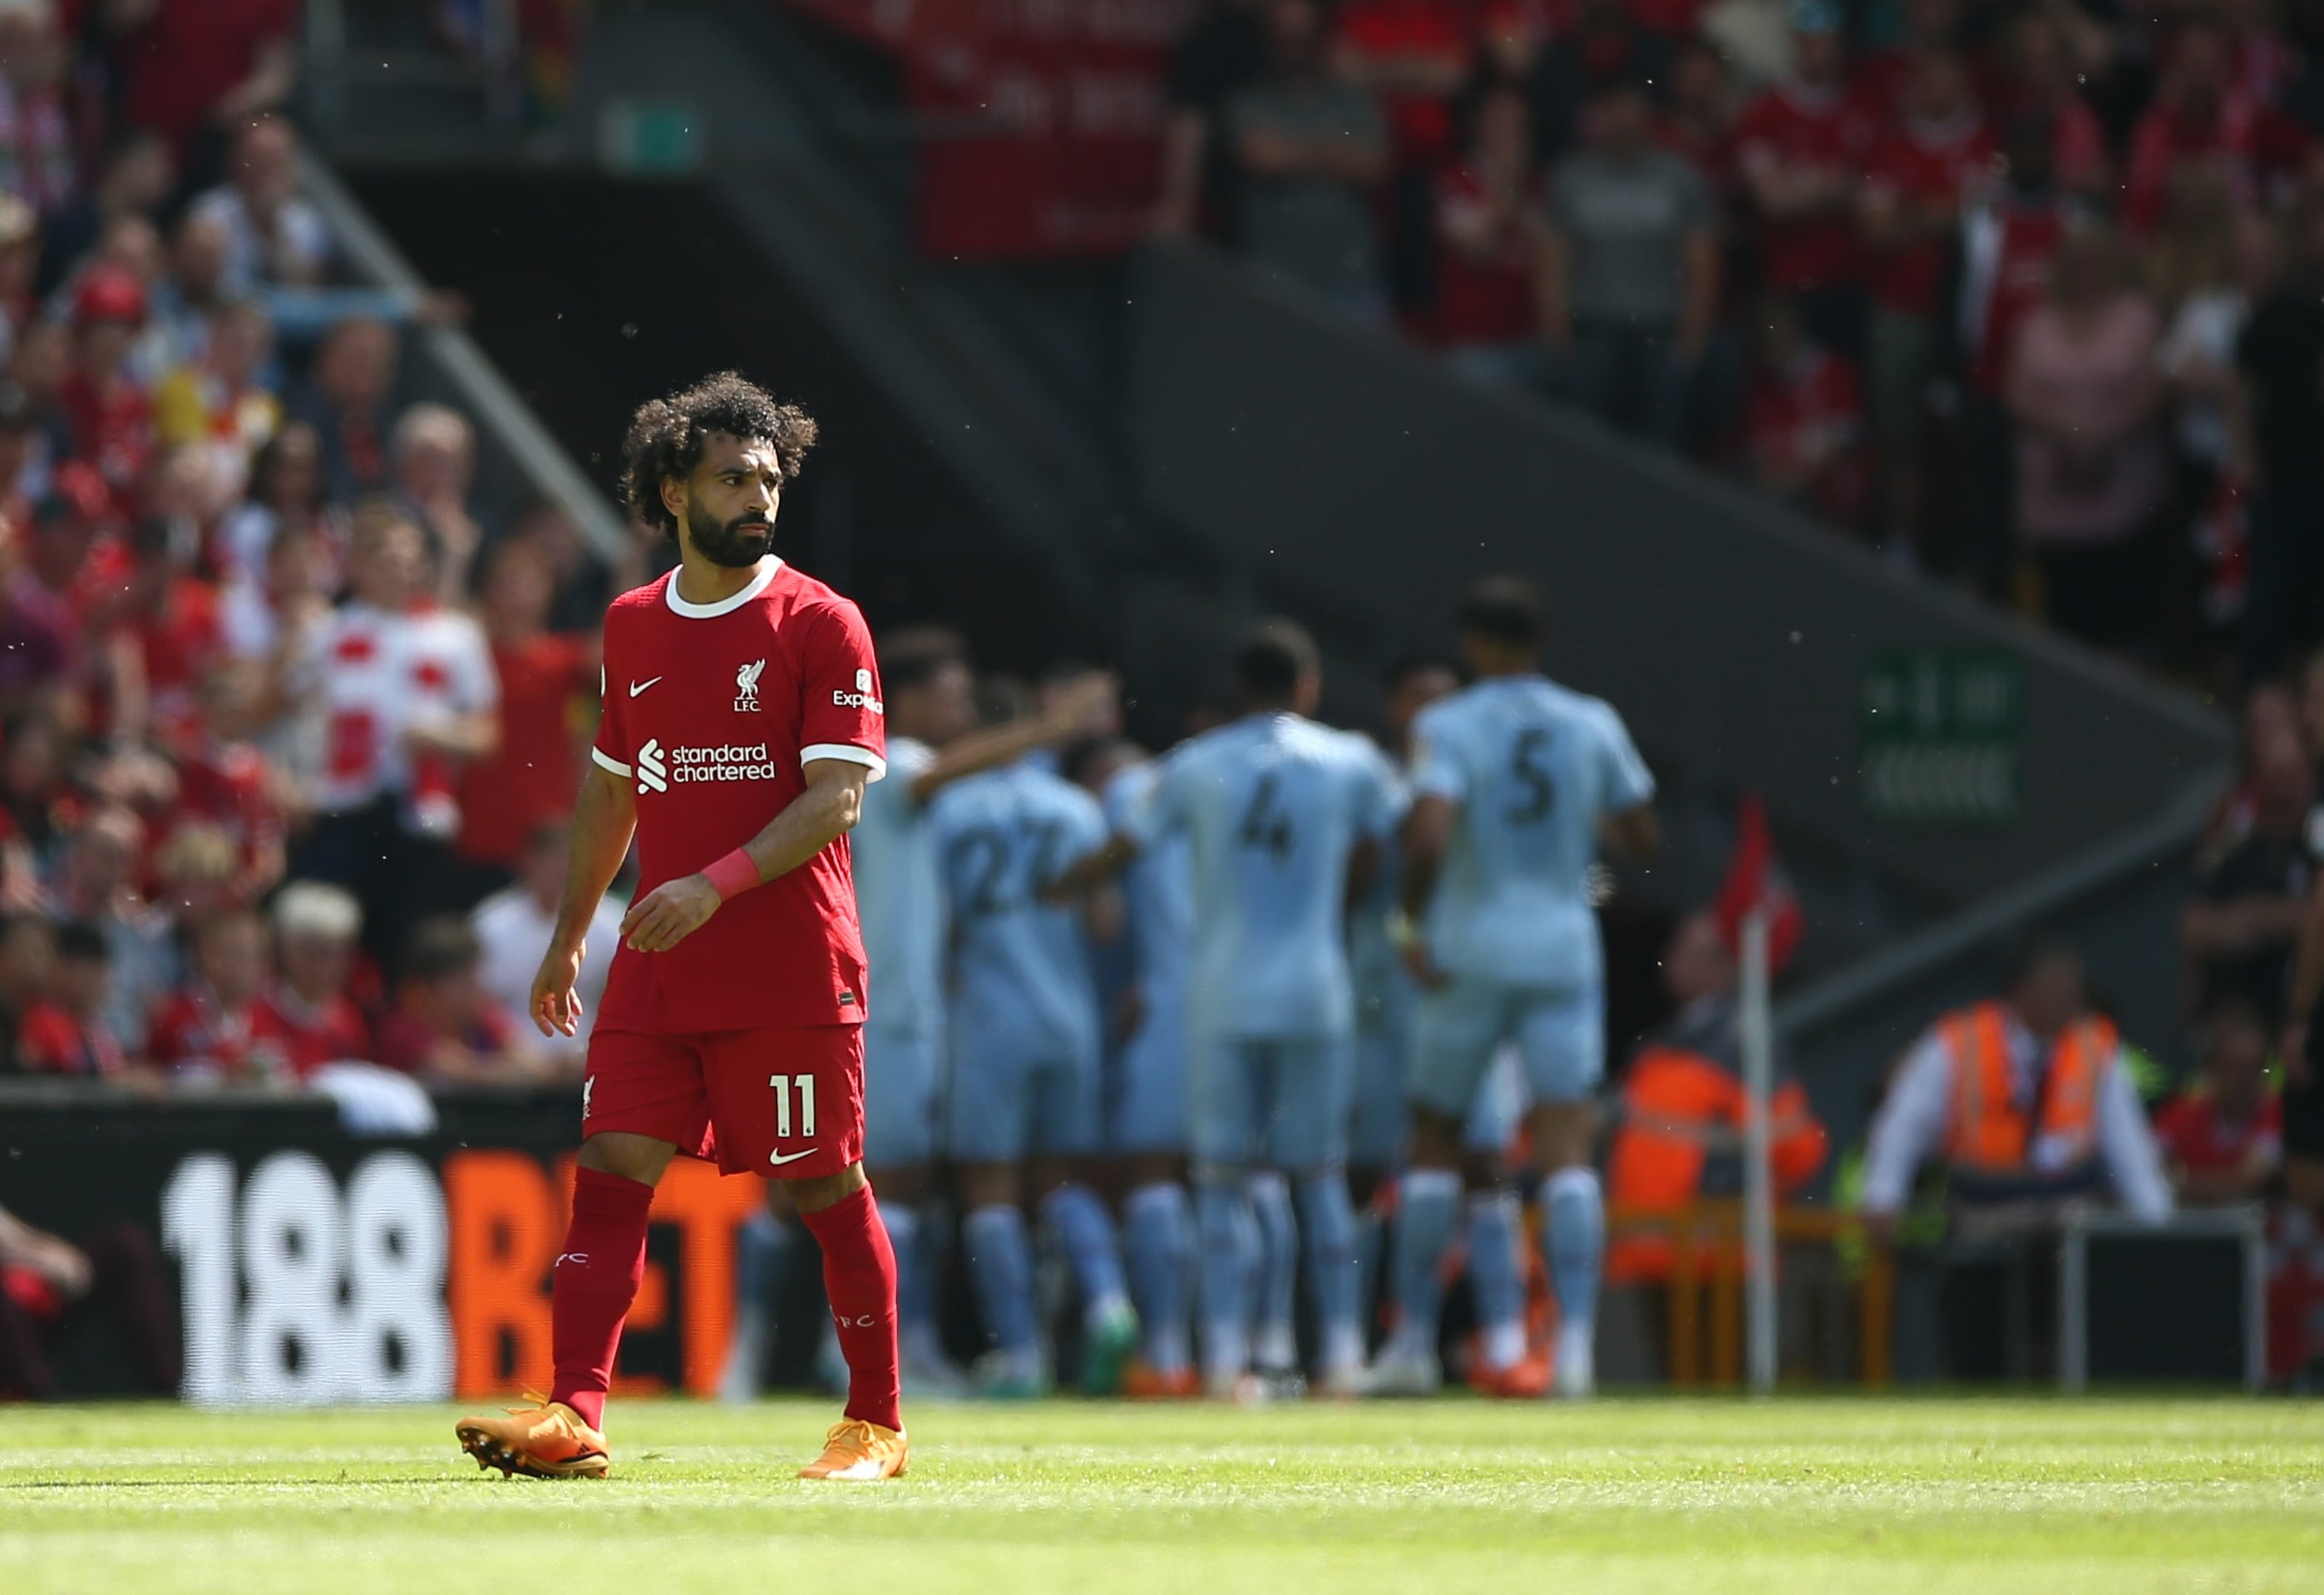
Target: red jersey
2247, 141
1793, 126
112, 427
1388, 30
53, 1041
1812, 409
2194, 1136
1488, 300
178, 646
711, 711
2005, 252
192, 1027
531, 776
312, 1035
1915, 167
228, 787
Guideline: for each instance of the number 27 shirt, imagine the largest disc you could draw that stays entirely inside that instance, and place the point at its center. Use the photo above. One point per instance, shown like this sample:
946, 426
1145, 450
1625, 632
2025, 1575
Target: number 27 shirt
712, 713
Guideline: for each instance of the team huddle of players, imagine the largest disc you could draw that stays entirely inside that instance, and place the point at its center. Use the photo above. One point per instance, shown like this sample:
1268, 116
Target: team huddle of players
1343, 963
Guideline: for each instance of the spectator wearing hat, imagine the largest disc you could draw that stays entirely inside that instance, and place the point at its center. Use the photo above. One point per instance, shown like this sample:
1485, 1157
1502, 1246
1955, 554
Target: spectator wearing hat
1801, 148
107, 409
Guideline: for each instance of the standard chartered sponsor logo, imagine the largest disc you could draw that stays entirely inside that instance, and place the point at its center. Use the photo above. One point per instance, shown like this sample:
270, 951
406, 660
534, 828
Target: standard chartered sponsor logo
657, 767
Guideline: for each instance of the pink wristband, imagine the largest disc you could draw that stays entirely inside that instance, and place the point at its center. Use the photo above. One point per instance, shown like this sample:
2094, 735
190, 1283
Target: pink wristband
735, 872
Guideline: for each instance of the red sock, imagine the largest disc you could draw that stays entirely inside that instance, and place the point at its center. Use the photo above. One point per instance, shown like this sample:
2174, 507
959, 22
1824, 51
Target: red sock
859, 1277
593, 1284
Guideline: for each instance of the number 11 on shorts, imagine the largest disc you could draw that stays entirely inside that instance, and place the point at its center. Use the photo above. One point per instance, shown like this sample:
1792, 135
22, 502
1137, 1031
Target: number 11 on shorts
785, 1084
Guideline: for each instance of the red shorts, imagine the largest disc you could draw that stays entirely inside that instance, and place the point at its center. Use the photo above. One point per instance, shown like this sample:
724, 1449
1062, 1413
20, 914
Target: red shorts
784, 1104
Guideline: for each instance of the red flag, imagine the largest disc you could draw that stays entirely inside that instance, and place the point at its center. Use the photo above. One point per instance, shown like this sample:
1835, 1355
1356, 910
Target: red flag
1753, 880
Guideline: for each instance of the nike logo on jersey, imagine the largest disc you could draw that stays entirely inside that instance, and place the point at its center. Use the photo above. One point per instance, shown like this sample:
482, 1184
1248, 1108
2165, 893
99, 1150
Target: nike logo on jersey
638, 686
779, 1158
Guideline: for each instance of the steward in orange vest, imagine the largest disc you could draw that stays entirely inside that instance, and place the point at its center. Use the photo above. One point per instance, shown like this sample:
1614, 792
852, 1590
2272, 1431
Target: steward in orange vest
1683, 1109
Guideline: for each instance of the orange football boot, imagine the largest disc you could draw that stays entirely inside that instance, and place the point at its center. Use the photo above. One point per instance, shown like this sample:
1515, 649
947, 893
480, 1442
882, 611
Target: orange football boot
859, 1453
1142, 1381
548, 1440
1525, 1380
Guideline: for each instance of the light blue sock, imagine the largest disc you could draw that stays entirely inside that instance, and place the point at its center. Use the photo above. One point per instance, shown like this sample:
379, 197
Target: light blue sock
1229, 1235
1574, 1242
1278, 1271
1495, 1279
759, 1248
1158, 1247
1428, 1204
915, 1290
1084, 1232
1001, 1268
1328, 1219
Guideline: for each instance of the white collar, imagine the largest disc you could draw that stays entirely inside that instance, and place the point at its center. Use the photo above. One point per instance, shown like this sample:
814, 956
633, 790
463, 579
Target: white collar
728, 604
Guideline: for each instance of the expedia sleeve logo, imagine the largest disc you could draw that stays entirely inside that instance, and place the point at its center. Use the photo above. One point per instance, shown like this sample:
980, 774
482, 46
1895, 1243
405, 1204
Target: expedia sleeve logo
860, 698
659, 767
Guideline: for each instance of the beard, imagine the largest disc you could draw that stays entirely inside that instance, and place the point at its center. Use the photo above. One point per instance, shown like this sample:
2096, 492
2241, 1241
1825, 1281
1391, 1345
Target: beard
734, 545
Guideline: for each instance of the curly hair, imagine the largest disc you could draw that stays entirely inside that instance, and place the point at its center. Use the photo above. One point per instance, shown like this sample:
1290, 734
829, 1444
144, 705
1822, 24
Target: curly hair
665, 437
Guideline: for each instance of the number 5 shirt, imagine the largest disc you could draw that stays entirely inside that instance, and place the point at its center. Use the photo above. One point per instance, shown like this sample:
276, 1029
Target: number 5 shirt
712, 713
1532, 768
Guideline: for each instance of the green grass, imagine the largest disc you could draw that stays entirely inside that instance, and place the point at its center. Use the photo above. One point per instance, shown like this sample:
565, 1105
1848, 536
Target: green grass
1710, 1497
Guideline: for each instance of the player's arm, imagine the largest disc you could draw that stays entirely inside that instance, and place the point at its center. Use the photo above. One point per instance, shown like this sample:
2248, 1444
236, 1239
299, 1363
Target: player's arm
811, 821
1073, 714
1632, 832
604, 817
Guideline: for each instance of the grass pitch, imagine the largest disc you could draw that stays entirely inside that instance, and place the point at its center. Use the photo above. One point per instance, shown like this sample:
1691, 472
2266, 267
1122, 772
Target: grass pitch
1453, 1496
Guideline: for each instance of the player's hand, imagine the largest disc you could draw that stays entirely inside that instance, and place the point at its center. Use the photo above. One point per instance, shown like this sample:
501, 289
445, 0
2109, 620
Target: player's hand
1422, 968
555, 1008
670, 912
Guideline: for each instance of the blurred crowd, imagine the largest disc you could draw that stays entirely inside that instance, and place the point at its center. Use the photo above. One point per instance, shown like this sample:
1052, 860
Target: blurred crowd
2024, 293
288, 718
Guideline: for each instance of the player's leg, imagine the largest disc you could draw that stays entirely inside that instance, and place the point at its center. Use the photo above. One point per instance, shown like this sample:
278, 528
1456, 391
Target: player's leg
986, 1133
1379, 1124
1454, 1035
1149, 1137
642, 1102
1223, 1122
1274, 1342
1066, 1131
1307, 1133
1505, 1364
1563, 1038
899, 1146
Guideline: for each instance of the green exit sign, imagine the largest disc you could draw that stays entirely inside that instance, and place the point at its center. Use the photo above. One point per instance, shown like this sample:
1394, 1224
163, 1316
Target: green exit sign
650, 138
1942, 737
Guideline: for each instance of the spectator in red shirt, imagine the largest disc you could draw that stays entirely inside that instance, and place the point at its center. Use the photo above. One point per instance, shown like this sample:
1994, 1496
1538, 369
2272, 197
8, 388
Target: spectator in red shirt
218, 1024
224, 780
2200, 114
1804, 422
108, 408
549, 684
1801, 149
315, 931
2039, 79
444, 1029
1924, 170
1489, 245
196, 70
2222, 1140
66, 1032
165, 638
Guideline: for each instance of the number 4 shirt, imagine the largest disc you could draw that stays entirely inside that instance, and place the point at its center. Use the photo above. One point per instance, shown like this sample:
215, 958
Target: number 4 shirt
712, 713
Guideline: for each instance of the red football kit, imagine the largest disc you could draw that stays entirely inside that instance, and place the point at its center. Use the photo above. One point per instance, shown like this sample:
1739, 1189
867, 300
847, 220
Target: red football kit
1921, 165
1796, 127
742, 1042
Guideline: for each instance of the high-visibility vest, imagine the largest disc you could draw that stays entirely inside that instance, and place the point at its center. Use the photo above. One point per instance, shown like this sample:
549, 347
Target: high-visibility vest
1988, 1132
1670, 1096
